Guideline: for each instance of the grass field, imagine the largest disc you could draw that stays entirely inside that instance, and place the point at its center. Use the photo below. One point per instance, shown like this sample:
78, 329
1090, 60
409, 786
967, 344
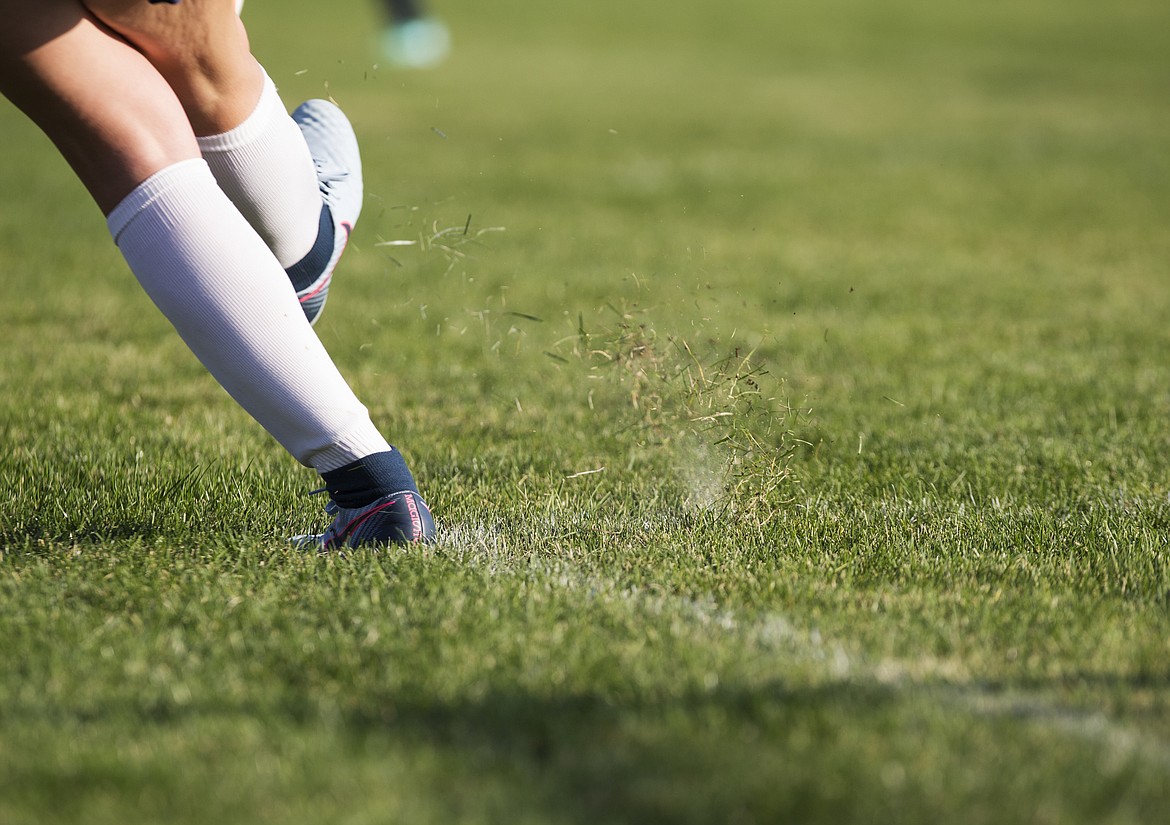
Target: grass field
791, 382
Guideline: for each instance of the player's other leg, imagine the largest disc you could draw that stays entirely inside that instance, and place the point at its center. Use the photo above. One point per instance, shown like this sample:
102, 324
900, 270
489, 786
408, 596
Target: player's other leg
298, 181
196, 256
259, 157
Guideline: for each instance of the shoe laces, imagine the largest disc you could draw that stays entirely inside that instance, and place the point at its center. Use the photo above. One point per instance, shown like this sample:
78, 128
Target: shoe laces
331, 506
327, 176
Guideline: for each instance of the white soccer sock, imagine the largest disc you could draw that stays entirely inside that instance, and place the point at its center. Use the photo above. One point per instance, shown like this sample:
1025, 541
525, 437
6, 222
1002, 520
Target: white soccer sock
216, 281
265, 168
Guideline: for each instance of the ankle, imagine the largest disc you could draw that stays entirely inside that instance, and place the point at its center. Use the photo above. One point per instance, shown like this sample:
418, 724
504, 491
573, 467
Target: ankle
369, 478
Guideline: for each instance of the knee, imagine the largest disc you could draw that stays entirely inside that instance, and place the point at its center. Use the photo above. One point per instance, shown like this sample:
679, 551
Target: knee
200, 48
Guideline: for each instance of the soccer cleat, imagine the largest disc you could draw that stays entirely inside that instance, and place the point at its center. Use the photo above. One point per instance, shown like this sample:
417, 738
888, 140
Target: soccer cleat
399, 518
335, 153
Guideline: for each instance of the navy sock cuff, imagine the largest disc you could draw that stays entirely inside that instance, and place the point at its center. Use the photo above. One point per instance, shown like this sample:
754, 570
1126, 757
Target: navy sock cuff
368, 479
309, 268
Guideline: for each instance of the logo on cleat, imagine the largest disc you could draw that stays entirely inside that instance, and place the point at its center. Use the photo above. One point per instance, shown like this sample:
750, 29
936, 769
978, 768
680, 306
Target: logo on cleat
416, 530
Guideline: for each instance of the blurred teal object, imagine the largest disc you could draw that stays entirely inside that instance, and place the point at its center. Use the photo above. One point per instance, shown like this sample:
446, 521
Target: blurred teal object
420, 43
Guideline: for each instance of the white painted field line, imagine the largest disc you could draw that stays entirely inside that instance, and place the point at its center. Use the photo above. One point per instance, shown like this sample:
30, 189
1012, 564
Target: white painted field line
945, 681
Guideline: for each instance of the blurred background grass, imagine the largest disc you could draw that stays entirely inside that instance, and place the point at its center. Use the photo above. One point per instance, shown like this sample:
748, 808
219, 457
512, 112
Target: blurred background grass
942, 226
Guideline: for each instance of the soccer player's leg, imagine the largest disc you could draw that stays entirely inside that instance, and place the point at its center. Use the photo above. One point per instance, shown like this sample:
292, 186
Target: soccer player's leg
193, 252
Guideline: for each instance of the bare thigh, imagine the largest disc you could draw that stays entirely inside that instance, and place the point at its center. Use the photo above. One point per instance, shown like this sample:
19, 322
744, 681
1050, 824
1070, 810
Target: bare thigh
110, 113
200, 47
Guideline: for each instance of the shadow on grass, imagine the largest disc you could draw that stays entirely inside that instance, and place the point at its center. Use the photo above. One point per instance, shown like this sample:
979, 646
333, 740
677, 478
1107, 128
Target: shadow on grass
728, 756
835, 752
841, 752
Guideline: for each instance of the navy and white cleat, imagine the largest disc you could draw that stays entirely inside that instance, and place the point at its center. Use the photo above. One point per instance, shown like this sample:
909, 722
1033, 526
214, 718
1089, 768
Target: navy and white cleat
399, 518
334, 149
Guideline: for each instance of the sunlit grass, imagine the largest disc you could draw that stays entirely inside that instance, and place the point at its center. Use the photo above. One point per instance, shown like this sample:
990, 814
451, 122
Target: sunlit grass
788, 381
